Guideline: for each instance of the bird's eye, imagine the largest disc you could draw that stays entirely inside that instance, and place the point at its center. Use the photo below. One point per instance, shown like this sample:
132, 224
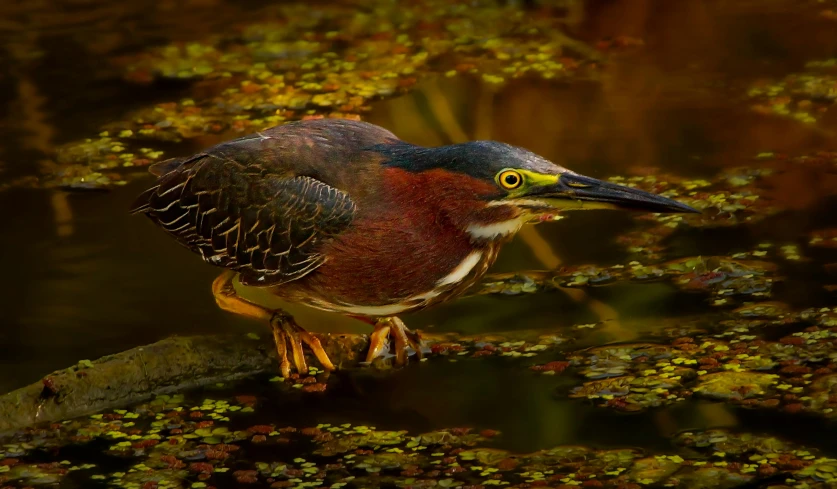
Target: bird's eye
510, 179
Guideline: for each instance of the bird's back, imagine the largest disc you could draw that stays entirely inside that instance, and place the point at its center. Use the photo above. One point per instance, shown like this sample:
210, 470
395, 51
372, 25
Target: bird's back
265, 203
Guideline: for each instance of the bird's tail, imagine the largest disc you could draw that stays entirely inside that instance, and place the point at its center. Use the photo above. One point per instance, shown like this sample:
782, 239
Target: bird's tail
159, 169
166, 166
141, 203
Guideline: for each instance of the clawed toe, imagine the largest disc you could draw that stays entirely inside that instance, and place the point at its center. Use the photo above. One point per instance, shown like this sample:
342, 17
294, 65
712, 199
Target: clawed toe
287, 334
393, 329
290, 337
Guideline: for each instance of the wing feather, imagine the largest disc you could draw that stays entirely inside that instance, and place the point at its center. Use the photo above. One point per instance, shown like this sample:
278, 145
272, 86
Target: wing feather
268, 226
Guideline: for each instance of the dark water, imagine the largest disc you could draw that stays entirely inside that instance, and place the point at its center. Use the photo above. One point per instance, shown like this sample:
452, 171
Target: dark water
83, 279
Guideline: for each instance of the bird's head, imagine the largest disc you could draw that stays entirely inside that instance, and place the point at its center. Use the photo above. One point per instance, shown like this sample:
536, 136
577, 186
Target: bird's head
493, 188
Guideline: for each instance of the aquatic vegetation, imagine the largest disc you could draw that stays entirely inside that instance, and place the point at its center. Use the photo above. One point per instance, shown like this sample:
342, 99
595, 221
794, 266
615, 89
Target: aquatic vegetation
528, 344
732, 197
172, 443
805, 97
30, 181
726, 279
823, 238
735, 197
323, 60
725, 359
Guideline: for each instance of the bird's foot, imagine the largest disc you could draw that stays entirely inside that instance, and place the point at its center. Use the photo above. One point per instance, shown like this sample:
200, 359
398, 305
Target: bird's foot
289, 335
402, 338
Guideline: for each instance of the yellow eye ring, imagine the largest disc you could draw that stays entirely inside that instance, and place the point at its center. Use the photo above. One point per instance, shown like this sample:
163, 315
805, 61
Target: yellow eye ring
510, 179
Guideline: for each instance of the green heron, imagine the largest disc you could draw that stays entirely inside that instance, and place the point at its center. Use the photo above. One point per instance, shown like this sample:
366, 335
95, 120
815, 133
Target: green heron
343, 216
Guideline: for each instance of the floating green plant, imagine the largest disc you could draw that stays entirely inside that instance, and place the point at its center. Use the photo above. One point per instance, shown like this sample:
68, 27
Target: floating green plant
165, 444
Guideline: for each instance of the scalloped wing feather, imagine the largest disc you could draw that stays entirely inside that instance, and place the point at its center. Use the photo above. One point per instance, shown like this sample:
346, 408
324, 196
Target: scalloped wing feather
239, 215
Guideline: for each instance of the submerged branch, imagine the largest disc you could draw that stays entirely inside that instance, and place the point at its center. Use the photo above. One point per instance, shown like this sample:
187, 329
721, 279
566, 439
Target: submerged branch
180, 363
131, 376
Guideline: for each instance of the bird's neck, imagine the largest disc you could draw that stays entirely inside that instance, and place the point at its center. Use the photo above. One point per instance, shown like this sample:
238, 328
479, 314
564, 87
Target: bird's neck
454, 203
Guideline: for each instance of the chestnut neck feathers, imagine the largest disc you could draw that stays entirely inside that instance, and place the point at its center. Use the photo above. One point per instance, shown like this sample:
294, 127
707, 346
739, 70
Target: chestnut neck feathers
456, 180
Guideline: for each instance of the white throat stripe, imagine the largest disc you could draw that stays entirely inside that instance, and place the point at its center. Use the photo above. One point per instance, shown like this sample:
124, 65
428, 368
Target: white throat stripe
462, 270
497, 229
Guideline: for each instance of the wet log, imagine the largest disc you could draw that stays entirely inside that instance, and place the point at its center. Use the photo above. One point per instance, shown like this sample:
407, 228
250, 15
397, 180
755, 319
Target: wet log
180, 363
173, 364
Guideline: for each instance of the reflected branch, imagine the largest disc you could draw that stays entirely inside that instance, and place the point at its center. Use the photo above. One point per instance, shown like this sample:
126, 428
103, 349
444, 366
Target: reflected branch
443, 113
63, 214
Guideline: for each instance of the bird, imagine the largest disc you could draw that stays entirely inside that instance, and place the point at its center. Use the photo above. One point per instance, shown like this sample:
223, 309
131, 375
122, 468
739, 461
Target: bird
343, 216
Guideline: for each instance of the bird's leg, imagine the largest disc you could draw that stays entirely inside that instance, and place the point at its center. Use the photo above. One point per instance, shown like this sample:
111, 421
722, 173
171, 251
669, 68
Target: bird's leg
378, 341
285, 330
402, 338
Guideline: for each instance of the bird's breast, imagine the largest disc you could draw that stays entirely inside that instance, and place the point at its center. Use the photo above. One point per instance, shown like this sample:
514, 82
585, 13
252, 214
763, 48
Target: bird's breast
384, 269
452, 285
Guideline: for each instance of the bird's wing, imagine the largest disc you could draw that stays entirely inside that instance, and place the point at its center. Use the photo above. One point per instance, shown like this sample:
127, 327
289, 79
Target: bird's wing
259, 219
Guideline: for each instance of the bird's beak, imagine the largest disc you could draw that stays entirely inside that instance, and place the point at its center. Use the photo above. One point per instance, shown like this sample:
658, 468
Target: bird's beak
570, 191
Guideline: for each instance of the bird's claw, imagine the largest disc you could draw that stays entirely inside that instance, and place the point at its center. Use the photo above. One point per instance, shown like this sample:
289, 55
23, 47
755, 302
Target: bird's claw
402, 338
286, 333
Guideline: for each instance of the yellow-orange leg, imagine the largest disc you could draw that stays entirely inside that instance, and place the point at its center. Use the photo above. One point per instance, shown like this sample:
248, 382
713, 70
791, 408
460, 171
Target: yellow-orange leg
402, 339
286, 333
